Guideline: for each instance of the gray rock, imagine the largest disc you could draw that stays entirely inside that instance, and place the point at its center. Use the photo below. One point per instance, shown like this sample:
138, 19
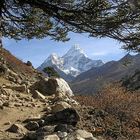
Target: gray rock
51, 137
18, 128
47, 128
82, 134
62, 134
38, 95
59, 106
32, 125
51, 86
64, 128
60, 87
34, 118
67, 116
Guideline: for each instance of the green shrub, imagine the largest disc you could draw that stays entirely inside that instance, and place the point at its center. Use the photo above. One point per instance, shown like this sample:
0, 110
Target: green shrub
51, 72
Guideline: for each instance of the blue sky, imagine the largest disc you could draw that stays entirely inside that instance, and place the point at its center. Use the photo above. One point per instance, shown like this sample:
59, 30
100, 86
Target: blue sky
38, 50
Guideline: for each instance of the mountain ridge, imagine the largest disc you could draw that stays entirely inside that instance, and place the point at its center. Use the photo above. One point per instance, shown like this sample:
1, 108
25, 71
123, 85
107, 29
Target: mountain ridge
71, 64
94, 79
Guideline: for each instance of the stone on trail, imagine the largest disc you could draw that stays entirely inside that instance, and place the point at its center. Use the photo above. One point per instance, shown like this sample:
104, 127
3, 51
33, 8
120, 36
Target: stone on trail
18, 128
51, 137
84, 135
67, 116
52, 86
60, 106
38, 95
32, 125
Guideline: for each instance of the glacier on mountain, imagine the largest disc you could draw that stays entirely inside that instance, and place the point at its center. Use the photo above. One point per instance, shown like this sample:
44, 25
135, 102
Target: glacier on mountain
72, 63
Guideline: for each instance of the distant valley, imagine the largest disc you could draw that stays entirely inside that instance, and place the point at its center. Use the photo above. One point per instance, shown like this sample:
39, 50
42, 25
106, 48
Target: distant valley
95, 79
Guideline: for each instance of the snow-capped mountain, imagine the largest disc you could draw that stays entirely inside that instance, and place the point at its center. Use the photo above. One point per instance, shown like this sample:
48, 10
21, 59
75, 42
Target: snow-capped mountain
53, 59
72, 63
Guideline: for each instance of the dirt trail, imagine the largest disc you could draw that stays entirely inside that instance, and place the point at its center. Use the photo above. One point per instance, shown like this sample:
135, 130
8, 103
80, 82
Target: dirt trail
8, 116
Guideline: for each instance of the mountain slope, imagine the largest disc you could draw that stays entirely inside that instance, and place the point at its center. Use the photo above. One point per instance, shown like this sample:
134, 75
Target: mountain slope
15, 64
71, 64
94, 79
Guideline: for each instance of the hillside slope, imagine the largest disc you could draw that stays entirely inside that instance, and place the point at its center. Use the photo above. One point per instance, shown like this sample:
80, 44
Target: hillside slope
33, 106
15, 64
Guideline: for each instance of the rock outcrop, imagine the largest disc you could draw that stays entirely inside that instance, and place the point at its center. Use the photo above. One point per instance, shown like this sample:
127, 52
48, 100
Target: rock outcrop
50, 86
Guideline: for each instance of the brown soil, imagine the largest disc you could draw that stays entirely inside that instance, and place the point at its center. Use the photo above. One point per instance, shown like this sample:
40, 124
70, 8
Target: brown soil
9, 116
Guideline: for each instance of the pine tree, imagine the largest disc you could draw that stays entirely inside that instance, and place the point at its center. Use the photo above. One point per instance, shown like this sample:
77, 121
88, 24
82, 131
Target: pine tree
117, 19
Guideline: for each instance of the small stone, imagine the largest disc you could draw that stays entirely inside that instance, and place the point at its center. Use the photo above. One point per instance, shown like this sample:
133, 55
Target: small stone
51, 137
48, 109
18, 104
6, 104
18, 128
41, 122
60, 106
48, 128
7, 123
64, 128
38, 95
34, 118
84, 134
1, 103
20, 88
1, 107
28, 105
62, 134
32, 125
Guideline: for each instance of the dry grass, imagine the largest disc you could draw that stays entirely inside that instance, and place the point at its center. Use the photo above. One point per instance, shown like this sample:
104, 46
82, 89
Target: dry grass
16, 64
122, 108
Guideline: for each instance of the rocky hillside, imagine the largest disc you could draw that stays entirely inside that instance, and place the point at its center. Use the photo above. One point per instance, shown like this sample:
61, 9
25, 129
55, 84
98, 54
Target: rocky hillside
33, 107
95, 79
15, 64
71, 64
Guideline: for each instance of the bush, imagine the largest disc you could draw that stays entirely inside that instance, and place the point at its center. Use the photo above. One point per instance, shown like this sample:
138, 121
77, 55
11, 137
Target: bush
132, 83
51, 72
122, 108
29, 63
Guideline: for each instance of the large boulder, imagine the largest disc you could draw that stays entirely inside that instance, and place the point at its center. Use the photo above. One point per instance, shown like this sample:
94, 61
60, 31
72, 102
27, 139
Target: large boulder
67, 116
61, 86
50, 86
